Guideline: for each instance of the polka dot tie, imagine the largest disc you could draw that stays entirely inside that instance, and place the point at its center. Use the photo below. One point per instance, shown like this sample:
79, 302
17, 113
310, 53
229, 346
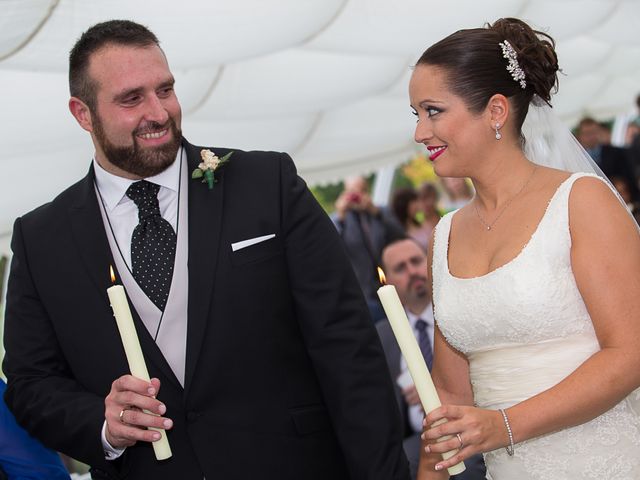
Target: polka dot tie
424, 342
153, 244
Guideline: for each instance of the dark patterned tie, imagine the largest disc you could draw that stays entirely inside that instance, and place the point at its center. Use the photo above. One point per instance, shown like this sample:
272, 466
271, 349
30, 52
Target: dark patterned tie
153, 244
424, 342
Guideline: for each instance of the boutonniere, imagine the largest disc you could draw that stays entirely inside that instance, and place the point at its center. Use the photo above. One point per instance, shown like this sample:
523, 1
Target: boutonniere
210, 163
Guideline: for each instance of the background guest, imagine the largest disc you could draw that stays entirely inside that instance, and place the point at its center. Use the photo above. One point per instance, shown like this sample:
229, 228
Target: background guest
406, 206
612, 160
365, 231
628, 194
429, 214
457, 193
405, 266
22, 456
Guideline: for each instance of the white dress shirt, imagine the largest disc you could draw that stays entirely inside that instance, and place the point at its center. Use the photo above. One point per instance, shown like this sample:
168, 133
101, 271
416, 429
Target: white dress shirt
123, 212
415, 413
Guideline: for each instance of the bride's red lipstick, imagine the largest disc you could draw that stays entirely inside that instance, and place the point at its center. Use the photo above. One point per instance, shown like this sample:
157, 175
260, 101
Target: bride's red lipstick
436, 151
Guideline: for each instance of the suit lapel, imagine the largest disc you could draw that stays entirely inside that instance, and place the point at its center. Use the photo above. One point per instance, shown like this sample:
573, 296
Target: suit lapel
205, 221
88, 232
93, 247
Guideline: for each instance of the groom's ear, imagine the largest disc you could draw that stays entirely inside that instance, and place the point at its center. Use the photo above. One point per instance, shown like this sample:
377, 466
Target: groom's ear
81, 113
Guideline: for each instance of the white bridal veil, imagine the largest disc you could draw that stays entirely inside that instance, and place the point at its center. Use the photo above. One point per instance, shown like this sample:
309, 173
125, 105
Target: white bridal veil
550, 143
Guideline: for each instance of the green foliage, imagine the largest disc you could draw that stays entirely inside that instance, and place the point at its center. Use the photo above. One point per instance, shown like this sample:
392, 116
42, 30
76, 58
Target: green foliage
326, 195
400, 180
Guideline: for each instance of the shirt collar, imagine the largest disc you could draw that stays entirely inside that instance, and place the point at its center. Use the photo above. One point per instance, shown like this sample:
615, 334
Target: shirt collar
113, 188
426, 315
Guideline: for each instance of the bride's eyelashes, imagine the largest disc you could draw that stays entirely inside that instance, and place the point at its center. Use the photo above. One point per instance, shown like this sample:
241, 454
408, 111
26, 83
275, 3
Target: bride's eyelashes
432, 111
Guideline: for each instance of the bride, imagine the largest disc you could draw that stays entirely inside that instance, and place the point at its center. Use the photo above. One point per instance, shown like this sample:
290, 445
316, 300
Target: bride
536, 282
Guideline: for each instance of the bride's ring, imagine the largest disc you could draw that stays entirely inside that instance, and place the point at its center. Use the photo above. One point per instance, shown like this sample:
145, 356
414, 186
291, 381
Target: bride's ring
460, 440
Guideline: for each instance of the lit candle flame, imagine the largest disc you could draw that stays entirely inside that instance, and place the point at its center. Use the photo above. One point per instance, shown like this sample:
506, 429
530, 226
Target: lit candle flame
383, 279
113, 275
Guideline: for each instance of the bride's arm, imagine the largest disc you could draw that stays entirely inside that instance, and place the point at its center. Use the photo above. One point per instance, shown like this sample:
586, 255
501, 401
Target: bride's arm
605, 258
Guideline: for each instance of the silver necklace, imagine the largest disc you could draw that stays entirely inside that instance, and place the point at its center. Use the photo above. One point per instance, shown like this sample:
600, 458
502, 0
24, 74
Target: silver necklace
490, 225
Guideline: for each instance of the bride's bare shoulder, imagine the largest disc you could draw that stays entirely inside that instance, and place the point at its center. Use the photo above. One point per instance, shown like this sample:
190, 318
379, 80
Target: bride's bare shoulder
590, 191
593, 206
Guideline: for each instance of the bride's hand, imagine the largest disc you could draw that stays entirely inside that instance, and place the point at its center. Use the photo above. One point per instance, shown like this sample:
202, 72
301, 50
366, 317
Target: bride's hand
472, 430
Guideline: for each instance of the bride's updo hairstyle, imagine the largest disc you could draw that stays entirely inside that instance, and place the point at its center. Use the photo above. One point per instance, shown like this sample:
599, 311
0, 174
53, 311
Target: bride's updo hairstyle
476, 68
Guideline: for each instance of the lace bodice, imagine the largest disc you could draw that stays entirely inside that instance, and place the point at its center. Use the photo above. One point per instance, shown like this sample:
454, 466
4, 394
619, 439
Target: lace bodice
542, 270
523, 328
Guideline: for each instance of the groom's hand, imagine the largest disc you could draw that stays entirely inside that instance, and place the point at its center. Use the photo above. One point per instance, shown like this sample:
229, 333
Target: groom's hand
126, 421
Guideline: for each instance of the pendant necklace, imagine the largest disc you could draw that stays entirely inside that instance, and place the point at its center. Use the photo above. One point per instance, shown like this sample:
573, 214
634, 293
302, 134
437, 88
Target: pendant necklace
488, 226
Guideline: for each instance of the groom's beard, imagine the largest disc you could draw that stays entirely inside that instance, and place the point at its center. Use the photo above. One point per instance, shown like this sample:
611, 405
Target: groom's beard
139, 161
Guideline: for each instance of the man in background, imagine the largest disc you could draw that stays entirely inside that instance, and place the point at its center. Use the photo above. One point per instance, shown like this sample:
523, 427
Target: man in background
613, 161
365, 230
405, 265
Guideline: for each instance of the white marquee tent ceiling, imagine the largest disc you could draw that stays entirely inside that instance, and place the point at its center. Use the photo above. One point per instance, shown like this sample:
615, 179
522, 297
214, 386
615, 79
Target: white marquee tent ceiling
325, 80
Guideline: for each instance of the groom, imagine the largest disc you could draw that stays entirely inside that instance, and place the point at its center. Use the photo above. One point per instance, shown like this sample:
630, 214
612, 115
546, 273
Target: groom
263, 360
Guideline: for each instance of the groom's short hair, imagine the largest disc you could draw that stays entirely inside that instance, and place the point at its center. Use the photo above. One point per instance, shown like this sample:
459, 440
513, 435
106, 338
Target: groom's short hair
118, 32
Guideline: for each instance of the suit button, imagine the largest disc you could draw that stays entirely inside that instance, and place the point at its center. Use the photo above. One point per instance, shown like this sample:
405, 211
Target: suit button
192, 416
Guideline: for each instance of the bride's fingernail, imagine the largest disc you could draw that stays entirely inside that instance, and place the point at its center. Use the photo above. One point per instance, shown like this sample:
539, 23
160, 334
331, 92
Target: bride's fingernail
427, 449
438, 467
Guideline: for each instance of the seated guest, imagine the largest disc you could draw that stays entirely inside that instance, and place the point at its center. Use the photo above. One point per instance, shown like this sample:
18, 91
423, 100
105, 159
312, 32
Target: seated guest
21, 456
405, 266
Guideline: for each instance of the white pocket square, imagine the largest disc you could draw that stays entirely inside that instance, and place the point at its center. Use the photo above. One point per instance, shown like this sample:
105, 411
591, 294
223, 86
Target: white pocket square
251, 241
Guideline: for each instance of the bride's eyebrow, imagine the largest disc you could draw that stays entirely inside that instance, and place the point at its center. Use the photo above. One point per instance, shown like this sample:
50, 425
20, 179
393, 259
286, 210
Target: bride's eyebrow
429, 101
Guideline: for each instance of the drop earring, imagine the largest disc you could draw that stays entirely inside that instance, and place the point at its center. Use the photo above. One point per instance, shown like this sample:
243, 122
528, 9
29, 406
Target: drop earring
498, 134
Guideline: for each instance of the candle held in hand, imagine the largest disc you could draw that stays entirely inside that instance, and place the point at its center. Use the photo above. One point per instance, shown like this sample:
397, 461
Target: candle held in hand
133, 351
413, 356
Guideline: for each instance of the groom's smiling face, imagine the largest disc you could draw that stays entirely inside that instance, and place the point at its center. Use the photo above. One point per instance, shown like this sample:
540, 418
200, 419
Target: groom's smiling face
137, 117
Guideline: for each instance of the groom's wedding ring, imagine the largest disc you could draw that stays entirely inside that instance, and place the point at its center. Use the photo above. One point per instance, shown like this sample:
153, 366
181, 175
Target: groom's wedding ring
124, 410
457, 435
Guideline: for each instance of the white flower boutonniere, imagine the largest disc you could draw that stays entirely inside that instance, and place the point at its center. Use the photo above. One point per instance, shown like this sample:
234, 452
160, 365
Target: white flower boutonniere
210, 163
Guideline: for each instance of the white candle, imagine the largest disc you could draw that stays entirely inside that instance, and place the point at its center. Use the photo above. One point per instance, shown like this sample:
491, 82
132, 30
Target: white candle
413, 356
132, 349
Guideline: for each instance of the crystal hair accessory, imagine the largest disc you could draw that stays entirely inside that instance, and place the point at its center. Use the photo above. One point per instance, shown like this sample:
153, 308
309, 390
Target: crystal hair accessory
514, 67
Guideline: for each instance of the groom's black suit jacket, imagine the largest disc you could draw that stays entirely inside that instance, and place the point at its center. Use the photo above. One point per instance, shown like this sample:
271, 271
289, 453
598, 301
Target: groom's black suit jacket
285, 376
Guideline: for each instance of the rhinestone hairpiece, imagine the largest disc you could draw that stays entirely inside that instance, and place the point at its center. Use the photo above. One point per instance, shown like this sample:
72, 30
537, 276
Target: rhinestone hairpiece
514, 67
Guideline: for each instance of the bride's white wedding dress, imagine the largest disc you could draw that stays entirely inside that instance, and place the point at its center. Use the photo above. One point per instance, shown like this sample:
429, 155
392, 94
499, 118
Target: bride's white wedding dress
524, 327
